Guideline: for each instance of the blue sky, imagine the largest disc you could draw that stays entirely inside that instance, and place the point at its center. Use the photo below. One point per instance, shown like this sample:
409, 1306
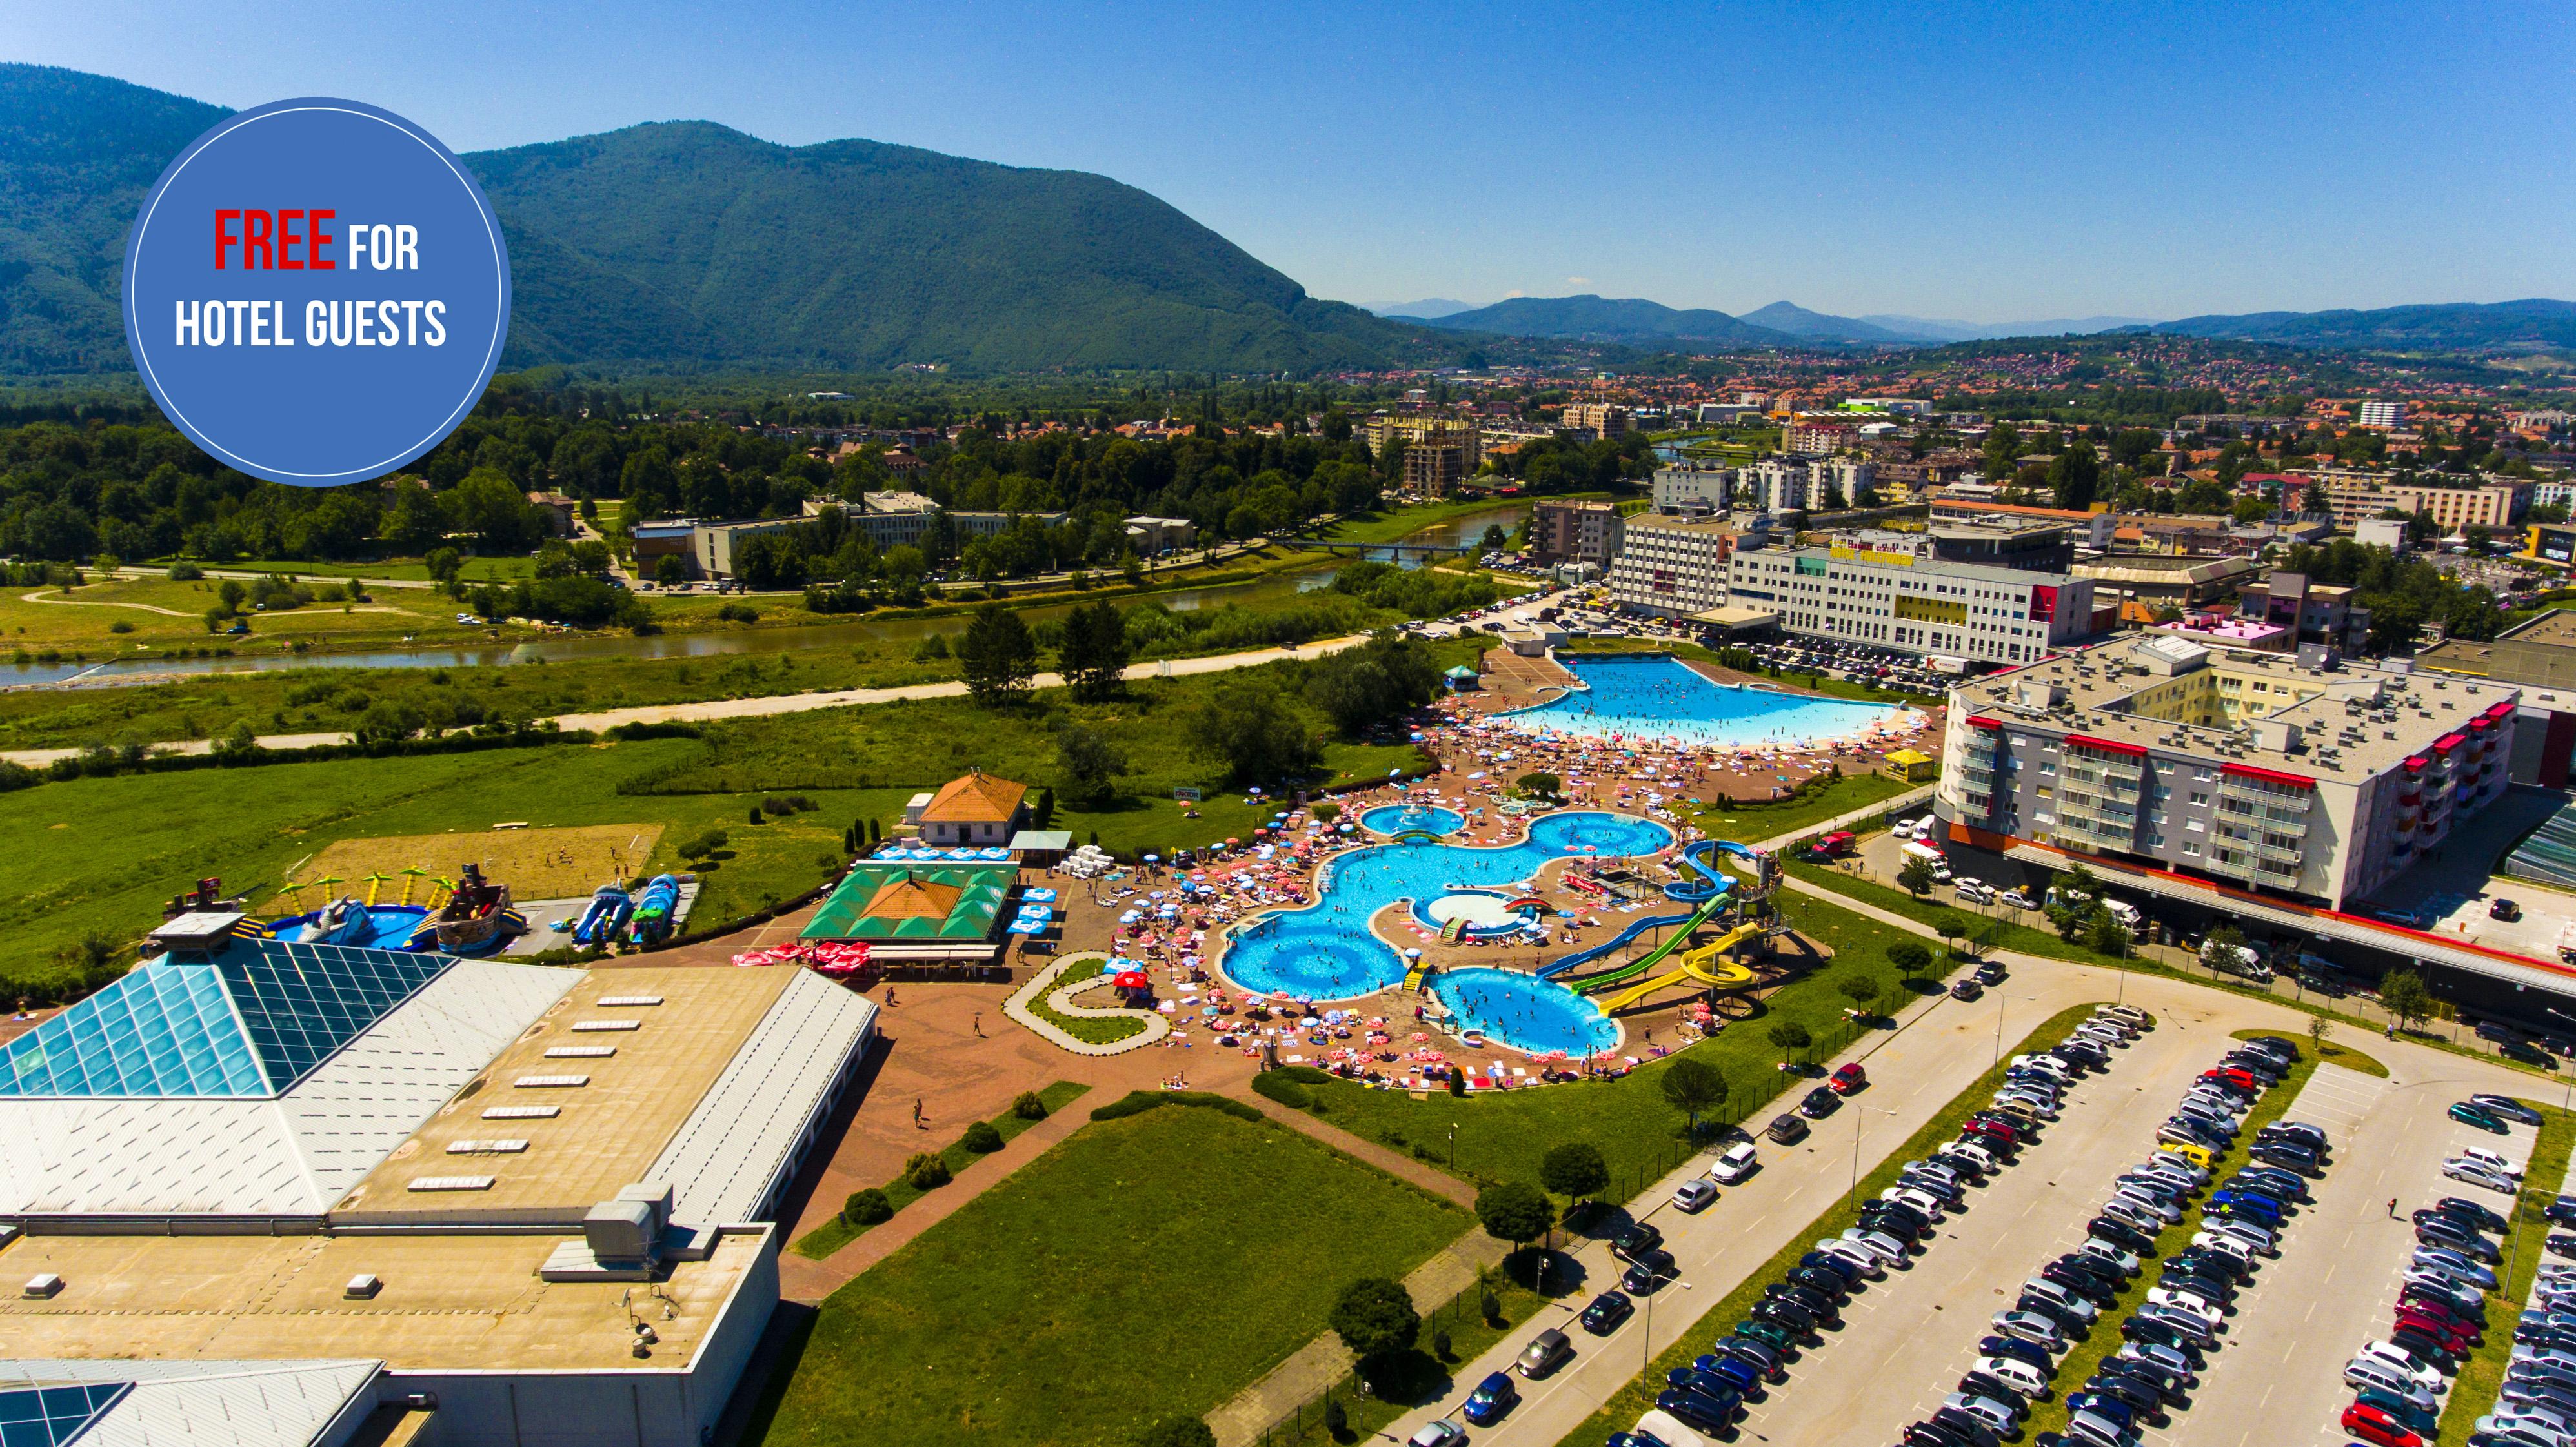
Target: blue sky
1996, 162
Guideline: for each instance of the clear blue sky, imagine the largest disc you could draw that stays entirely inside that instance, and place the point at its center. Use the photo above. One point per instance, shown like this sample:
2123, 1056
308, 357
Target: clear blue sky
1992, 162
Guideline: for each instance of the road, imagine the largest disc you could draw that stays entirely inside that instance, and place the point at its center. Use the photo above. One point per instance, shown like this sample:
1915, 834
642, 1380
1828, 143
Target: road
1941, 1049
723, 708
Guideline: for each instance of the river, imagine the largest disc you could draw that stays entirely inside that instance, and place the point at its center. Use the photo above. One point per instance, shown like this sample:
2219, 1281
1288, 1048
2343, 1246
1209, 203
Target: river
1458, 531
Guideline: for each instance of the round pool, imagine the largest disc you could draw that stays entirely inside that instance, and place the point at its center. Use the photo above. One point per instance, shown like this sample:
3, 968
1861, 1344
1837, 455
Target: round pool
1525, 1013
1486, 913
1394, 819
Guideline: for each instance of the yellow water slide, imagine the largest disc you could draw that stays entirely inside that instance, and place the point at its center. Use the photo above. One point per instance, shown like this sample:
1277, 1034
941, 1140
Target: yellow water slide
1706, 966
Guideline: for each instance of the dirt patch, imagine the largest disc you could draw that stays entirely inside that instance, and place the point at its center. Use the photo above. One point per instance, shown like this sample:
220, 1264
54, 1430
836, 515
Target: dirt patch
535, 863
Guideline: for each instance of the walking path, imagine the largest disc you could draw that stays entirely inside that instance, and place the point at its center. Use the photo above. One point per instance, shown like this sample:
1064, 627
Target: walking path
723, 708
1043, 987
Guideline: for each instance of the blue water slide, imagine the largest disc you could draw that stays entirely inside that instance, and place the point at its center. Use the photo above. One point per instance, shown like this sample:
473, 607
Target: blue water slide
1707, 888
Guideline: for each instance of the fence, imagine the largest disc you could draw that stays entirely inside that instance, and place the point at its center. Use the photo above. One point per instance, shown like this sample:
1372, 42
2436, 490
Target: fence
1308, 1418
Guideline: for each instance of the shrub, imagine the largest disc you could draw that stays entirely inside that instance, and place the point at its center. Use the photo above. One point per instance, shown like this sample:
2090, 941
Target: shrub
1137, 1102
867, 1208
1274, 1085
738, 613
755, 815
185, 572
927, 1172
120, 626
1028, 1106
981, 1138
1375, 1318
1177, 1432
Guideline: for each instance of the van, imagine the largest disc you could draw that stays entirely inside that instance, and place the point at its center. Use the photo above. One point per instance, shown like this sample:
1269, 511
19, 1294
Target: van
2123, 911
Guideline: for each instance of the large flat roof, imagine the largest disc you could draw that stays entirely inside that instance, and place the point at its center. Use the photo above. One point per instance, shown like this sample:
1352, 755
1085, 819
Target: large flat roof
454, 1302
611, 1128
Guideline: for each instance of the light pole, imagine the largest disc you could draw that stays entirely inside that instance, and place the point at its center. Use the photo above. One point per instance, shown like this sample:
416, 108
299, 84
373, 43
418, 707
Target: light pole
2000, 997
1859, 1112
2570, 1100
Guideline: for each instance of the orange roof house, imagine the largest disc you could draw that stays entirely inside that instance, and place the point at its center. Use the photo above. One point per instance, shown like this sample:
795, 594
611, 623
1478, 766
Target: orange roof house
976, 809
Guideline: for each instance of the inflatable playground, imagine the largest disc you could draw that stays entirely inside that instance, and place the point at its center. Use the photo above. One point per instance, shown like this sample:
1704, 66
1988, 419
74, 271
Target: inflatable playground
475, 918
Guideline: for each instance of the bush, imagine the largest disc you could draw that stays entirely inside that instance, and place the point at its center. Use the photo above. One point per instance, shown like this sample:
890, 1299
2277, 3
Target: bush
120, 626
1306, 1074
927, 1172
1028, 1106
779, 806
755, 815
184, 572
1177, 1432
1137, 1102
1375, 1318
981, 1138
867, 1208
738, 613
1274, 1085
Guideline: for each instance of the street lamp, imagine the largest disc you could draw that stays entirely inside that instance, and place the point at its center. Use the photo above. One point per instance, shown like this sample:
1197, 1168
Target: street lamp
1859, 1112
2000, 997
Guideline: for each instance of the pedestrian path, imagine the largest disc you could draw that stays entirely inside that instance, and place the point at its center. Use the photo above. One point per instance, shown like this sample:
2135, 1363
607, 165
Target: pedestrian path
1060, 999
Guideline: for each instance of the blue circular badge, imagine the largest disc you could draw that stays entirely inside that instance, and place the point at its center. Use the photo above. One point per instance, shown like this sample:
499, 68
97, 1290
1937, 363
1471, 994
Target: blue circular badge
316, 292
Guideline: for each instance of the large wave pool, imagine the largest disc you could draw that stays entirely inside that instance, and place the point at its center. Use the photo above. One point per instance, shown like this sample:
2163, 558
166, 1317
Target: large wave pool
1325, 951
1406, 818
1653, 695
1525, 1013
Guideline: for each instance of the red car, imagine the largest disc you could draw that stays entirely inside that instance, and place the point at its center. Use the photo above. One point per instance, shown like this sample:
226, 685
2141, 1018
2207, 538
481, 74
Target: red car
2449, 1334
2374, 1426
2241, 1079
1848, 1079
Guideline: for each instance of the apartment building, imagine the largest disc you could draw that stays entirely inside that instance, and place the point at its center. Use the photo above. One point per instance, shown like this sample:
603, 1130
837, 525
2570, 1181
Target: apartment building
1418, 429
2388, 416
2313, 612
1575, 532
1694, 487
2491, 502
1777, 484
1435, 468
1674, 567
2247, 769
1601, 419
1151, 535
1803, 438
1978, 612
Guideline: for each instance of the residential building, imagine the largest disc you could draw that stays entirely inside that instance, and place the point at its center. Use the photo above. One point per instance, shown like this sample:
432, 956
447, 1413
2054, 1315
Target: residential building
2236, 424
2316, 612
1693, 487
1574, 532
2388, 416
2538, 656
2093, 529
1777, 484
1976, 612
1847, 474
1601, 419
714, 546
2261, 772
1434, 468
1804, 438
2389, 533
979, 809
1153, 536
2546, 420
2553, 494
1673, 567
559, 511
1417, 429
320, 1195
2491, 502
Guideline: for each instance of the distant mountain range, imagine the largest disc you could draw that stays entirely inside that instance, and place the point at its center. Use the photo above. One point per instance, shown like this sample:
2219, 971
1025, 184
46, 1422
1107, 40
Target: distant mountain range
1931, 329
1423, 310
1600, 319
694, 246
2448, 327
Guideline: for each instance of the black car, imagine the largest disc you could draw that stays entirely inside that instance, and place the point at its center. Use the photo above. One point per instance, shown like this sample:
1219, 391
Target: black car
1984, 1385
1817, 1303
2485, 1219
2212, 1263
1819, 1103
1786, 1130
1947, 1192
2013, 1348
2167, 1382
1966, 1166
1606, 1312
1759, 1356
1966, 990
1905, 1229
1784, 1313
1977, 1431
2146, 1329
1638, 1238
2115, 1233
2561, 1212
1823, 1280
1928, 1434
1990, 973
2094, 1267
2137, 1396
1697, 1409
2083, 1283
2286, 1156
2068, 1321
1917, 1221
1842, 1267
1649, 1271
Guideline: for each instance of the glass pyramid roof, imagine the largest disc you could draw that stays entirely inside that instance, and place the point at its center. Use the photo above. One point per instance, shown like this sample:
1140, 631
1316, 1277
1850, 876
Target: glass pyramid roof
250, 1023
52, 1416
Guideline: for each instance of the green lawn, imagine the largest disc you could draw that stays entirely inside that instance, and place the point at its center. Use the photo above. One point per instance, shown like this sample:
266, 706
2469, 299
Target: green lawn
1757, 821
1387, 527
101, 854
2473, 1391
1720, 1316
1502, 1136
840, 1231
1146, 1267
473, 570
1089, 1031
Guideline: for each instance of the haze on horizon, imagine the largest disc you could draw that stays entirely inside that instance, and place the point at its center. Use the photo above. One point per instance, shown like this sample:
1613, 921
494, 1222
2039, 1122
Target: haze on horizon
2019, 162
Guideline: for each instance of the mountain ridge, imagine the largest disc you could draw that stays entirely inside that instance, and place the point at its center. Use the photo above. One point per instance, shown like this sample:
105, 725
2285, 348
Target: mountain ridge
1592, 318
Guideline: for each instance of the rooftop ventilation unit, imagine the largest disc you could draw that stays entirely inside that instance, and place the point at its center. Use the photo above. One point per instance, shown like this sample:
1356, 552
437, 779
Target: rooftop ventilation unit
580, 1025
522, 1112
613, 1002
550, 1082
450, 1183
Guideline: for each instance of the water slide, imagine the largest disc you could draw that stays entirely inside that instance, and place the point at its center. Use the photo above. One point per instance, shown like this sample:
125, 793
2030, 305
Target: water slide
1707, 967
1709, 891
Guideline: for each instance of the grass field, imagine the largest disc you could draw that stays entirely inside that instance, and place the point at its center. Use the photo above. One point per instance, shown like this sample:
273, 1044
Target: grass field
162, 615
562, 863
900, 1192
1502, 1136
100, 855
2481, 1376
472, 570
1625, 1405
1751, 822
1146, 1267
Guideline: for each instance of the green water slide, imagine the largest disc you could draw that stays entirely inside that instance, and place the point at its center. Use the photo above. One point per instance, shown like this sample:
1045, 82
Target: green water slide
1654, 957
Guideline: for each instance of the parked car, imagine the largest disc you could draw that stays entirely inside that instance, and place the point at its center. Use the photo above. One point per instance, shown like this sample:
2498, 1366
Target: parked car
1546, 1352
1493, 1397
1639, 1238
1735, 1162
1605, 1313
1852, 1077
1820, 1102
1694, 1196
1787, 1130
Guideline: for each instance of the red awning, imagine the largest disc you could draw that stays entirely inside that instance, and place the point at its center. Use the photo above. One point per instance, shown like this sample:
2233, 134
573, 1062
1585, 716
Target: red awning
2499, 711
2481, 724
1982, 722
2448, 742
2248, 771
2416, 763
2107, 745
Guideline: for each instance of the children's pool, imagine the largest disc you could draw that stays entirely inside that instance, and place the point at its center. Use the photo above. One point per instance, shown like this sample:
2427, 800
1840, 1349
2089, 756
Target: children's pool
1525, 1013
1653, 695
1406, 818
1325, 951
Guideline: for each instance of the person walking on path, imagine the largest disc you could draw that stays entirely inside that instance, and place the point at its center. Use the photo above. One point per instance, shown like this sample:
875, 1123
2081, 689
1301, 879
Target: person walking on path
979, 1023
2392, 1208
919, 1124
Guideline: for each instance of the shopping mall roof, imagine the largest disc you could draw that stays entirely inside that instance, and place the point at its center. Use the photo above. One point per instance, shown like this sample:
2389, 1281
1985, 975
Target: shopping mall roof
205, 1403
893, 901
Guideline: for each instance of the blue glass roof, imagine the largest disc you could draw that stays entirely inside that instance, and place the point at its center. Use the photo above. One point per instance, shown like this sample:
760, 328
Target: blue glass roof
252, 1022
53, 1416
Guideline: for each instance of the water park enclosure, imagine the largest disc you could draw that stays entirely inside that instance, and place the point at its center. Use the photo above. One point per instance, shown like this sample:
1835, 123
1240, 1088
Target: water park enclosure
536, 863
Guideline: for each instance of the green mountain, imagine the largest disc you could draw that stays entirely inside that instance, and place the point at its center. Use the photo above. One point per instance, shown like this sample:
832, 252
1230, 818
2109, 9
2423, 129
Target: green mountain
690, 245
2446, 327
1797, 321
1630, 321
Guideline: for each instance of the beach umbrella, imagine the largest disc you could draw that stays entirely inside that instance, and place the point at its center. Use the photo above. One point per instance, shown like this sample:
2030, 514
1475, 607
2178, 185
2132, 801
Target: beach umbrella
1153, 859
1129, 980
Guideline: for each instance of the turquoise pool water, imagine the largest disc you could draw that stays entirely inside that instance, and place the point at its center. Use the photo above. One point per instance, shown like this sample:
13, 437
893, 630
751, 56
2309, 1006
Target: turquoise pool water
1405, 818
1653, 695
1528, 1014
1326, 952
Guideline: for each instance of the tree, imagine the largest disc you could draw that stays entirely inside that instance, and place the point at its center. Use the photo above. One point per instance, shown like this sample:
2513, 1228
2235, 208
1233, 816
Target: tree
1375, 1318
1177, 1431
1088, 766
1249, 726
2403, 994
1916, 878
1094, 656
2222, 951
1514, 1211
1909, 958
670, 570
493, 509
1692, 1085
1950, 925
1791, 1037
1574, 1169
2075, 476
1859, 989
1373, 683
1541, 785
997, 656
443, 564
2317, 1028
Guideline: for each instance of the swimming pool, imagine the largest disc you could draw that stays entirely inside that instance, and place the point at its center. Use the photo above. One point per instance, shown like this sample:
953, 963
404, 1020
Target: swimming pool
1655, 695
1525, 1013
1406, 818
1326, 952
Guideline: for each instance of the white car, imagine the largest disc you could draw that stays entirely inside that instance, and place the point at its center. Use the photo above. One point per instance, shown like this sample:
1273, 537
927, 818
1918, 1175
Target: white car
2017, 1374
1695, 1196
1734, 1163
2366, 1372
1862, 1259
2048, 1290
2491, 1160
2212, 1241
1443, 1433
1888, 1250
1985, 1409
1924, 1201
2394, 1357
2477, 1173
2529, 1421
2101, 1250
2191, 1302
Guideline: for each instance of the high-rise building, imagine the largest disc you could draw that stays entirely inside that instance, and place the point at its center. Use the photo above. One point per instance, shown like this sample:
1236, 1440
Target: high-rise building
2388, 415
1414, 429
1602, 419
1673, 567
1575, 532
1977, 612
1694, 487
